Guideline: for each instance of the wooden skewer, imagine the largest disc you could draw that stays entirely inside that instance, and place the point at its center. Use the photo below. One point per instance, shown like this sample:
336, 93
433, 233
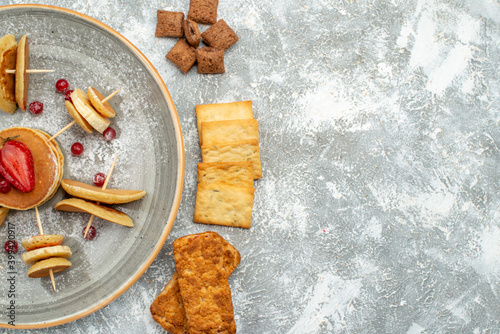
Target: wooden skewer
30, 71
39, 222
73, 122
110, 96
103, 188
62, 130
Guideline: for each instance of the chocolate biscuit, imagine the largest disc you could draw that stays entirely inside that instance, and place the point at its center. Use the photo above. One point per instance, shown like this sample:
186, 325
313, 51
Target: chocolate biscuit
210, 60
220, 36
182, 55
203, 11
169, 24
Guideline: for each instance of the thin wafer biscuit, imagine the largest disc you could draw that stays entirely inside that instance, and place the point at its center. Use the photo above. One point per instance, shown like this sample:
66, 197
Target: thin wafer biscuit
245, 150
227, 131
222, 112
219, 203
234, 173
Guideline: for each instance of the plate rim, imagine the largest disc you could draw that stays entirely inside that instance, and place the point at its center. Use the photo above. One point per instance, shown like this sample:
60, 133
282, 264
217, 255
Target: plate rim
180, 172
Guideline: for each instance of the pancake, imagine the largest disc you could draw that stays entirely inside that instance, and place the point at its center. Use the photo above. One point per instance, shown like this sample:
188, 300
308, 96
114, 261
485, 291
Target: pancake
8, 52
60, 159
48, 173
22, 77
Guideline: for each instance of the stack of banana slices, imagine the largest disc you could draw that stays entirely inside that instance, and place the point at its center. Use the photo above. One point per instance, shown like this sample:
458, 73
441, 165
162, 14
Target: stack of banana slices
89, 110
45, 253
93, 194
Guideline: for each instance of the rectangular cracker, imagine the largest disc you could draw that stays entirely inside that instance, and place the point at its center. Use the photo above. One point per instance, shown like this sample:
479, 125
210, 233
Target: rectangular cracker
168, 310
245, 150
219, 203
222, 112
217, 132
203, 283
234, 173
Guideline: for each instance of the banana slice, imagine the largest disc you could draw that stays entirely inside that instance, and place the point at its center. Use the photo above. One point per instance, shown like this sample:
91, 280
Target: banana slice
85, 108
44, 253
77, 117
103, 108
41, 241
42, 268
3, 214
108, 196
109, 214
22, 77
8, 49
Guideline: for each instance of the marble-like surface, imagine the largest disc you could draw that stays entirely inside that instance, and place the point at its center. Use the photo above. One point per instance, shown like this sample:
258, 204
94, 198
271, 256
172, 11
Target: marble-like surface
379, 121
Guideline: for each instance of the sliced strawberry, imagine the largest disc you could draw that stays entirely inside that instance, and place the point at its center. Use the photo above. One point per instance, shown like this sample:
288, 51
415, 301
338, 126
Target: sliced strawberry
16, 165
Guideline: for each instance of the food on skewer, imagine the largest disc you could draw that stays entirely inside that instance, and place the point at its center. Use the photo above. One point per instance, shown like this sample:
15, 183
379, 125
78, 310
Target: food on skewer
45, 254
35, 255
84, 109
44, 267
87, 111
14, 70
41, 241
3, 214
22, 76
77, 117
100, 103
98, 178
103, 212
8, 48
47, 167
93, 193
97, 194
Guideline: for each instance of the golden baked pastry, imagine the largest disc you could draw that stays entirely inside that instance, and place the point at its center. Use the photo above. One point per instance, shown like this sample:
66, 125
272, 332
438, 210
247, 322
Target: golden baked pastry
168, 309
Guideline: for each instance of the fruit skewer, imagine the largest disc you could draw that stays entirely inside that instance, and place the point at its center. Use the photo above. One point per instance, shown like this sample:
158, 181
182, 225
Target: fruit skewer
79, 118
103, 188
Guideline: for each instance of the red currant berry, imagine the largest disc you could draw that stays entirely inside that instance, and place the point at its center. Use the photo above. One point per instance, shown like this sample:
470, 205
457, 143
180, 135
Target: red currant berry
4, 186
99, 179
77, 149
10, 246
90, 234
109, 134
62, 85
36, 107
67, 95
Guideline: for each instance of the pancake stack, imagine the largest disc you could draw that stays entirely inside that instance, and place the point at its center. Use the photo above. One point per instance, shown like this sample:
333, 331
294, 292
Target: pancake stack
14, 86
49, 166
44, 253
